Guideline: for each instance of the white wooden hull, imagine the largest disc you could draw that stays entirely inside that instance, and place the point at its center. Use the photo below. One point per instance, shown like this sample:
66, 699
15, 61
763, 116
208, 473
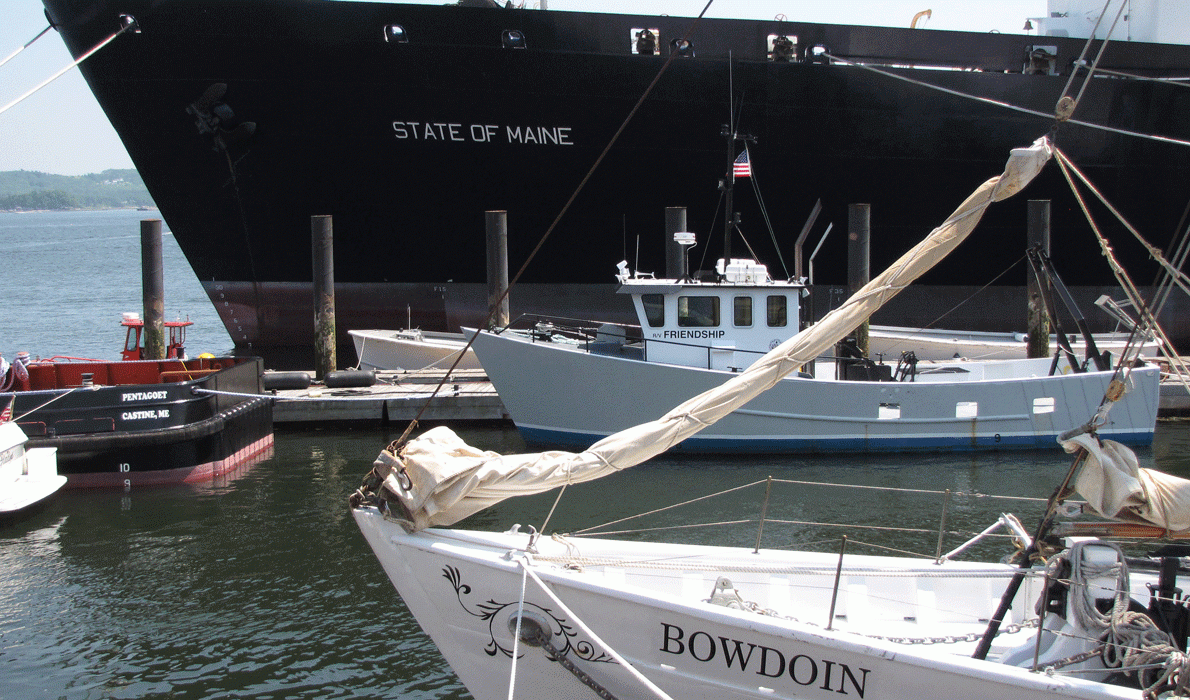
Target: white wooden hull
562, 395
648, 603
403, 350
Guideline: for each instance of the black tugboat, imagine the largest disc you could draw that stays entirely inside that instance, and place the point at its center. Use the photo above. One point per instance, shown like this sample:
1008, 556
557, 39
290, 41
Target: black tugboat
134, 422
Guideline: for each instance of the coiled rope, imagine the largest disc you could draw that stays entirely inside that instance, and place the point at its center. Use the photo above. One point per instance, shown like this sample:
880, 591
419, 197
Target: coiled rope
1132, 642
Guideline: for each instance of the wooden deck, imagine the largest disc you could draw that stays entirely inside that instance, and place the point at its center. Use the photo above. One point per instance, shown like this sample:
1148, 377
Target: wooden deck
396, 398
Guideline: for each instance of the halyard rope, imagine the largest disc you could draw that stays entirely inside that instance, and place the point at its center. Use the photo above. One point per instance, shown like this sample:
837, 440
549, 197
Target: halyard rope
29, 43
1006, 105
74, 63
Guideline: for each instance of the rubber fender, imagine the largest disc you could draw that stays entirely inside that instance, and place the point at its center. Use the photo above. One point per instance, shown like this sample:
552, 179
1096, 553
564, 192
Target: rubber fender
285, 380
350, 378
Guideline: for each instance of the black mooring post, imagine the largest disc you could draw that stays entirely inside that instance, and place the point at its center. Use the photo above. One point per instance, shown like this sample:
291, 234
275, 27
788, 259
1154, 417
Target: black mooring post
497, 237
1038, 344
152, 289
322, 244
859, 242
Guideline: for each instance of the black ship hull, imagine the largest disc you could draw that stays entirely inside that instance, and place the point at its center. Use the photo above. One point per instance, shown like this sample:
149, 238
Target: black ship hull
246, 119
143, 423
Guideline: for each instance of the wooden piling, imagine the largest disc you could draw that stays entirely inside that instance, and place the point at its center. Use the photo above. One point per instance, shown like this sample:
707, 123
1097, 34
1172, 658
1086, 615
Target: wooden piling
497, 237
859, 240
152, 289
1038, 343
322, 246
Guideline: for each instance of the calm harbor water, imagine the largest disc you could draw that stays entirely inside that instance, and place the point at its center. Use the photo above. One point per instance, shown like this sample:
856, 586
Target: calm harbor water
70, 275
259, 585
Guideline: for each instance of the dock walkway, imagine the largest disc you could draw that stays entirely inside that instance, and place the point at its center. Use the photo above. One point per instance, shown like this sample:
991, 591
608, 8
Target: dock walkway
396, 398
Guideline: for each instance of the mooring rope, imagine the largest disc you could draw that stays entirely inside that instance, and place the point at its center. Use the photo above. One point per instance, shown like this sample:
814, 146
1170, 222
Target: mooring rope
385, 396
648, 685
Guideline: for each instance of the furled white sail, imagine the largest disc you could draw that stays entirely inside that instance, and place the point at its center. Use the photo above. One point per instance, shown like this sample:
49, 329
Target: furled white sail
437, 479
1116, 486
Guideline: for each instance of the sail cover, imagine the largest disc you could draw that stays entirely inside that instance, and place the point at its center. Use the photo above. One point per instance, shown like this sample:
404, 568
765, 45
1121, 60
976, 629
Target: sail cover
437, 479
1116, 486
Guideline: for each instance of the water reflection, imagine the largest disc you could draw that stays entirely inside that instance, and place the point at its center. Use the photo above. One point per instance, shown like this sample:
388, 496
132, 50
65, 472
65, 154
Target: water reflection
260, 585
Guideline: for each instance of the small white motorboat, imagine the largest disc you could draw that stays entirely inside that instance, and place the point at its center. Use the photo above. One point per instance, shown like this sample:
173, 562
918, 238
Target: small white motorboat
411, 349
28, 476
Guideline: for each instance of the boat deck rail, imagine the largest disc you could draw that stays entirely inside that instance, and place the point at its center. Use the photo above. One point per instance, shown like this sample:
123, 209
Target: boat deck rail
51, 375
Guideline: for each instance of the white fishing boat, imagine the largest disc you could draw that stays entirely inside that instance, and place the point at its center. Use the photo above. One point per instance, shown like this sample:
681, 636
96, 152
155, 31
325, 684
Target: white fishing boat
520, 615
694, 335
28, 476
412, 349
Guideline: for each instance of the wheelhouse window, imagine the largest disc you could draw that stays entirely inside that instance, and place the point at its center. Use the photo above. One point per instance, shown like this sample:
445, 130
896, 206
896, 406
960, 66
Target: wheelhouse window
742, 312
654, 309
778, 314
700, 312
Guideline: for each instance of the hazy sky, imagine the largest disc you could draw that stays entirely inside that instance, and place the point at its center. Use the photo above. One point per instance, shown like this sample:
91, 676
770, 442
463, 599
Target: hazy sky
62, 130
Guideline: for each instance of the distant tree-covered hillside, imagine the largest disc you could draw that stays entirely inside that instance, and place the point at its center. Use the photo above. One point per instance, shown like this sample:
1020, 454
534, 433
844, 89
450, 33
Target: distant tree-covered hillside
110, 189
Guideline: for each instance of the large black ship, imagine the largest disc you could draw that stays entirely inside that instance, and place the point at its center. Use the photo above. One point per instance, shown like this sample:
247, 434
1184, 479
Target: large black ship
407, 122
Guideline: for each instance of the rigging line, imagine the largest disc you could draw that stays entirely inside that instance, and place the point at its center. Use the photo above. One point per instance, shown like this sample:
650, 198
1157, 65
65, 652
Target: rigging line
1005, 105
670, 507
767, 221
894, 489
959, 305
29, 43
702, 261
1180, 82
47, 403
746, 244
1086, 47
565, 208
1163, 281
1134, 295
1153, 251
74, 63
1098, 56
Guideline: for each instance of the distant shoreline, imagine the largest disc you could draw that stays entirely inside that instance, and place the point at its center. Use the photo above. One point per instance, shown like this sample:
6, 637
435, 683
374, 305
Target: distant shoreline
45, 211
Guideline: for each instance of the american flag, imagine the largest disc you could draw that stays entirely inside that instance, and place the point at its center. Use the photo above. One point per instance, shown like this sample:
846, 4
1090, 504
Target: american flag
6, 414
742, 167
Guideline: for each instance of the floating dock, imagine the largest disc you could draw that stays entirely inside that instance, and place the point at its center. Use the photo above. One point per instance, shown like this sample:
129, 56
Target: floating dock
397, 397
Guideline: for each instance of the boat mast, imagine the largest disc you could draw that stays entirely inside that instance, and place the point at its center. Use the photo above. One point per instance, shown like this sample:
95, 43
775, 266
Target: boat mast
730, 217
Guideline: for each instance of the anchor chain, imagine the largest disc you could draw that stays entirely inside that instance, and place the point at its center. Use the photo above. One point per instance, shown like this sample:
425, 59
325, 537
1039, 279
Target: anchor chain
533, 634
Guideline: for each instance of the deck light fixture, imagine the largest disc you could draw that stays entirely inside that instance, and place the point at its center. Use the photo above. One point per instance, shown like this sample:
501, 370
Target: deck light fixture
395, 34
513, 39
682, 47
